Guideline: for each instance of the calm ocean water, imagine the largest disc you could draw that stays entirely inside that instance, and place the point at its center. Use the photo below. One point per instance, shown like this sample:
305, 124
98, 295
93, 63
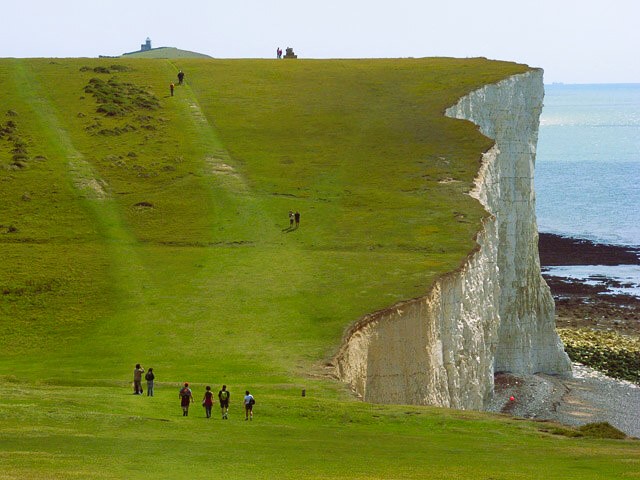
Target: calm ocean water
588, 166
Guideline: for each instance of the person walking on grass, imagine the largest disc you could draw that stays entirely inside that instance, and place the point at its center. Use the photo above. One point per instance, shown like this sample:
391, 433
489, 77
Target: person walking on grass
207, 401
249, 402
223, 396
297, 217
180, 77
149, 377
186, 398
171, 87
291, 217
137, 379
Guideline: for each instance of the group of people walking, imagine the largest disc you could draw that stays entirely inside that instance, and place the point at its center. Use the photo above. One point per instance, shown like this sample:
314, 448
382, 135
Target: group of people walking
294, 217
186, 395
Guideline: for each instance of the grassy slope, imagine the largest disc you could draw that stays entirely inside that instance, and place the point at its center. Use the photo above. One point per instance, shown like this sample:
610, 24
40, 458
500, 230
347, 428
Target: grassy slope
166, 52
208, 286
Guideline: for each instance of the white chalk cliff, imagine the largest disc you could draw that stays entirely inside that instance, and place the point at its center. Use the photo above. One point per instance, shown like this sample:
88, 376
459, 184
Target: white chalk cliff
496, 313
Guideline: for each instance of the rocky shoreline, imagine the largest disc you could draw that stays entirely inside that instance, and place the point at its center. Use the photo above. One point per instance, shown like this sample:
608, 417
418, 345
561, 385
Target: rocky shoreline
558, 250
587, 396
582, 305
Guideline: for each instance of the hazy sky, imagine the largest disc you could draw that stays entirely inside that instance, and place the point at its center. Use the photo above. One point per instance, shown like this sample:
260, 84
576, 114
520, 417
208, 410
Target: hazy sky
575, 41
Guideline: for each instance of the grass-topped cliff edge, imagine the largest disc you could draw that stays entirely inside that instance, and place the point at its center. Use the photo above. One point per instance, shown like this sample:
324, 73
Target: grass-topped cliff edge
140, 227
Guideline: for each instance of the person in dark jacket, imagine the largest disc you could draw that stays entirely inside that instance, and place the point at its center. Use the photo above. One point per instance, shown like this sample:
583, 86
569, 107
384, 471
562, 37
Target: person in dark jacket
150, 377
223, 396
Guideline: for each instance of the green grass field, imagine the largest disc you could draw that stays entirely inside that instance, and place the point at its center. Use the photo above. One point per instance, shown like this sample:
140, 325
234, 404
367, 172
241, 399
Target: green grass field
140, 227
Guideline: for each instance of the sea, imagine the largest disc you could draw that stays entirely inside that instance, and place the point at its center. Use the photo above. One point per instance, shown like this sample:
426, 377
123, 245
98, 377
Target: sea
588, 172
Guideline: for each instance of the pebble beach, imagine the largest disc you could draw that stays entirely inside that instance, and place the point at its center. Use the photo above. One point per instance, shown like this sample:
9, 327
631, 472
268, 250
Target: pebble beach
587, 396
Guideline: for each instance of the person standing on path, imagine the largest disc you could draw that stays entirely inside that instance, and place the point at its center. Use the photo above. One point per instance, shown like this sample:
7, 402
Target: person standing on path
207, 401
186, 398
180, 77
223, 396
249, 402
171, 87
149, 377
297, 218
291, 218
137, 379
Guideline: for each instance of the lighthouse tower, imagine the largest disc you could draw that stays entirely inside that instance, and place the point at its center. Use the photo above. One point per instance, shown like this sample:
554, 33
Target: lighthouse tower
146, 46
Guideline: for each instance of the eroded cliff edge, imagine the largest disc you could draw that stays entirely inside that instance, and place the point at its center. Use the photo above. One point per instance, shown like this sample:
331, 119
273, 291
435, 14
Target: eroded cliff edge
495, 314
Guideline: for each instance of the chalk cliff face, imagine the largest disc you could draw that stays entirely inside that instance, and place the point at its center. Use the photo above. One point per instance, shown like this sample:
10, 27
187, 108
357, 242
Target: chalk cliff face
495, 313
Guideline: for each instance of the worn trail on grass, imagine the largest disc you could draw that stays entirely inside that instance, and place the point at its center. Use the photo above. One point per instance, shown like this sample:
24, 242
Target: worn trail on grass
167, 291
126, 267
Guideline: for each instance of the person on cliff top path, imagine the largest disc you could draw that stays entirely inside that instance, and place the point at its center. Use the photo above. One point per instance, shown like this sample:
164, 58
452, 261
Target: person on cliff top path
223, 396
150, 377
137, 379
180, 77
171, 87
249, 402
186, 398
207, 401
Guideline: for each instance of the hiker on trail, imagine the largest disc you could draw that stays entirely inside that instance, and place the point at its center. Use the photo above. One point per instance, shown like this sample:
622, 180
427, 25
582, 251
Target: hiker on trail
186, 398
180, 77
137, 379
149, 377
223, 396
171, 87
207, 401
249, 402
291, 217
297, 216
279, 52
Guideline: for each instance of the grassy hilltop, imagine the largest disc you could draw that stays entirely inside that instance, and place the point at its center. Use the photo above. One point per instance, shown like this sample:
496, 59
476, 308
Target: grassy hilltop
140, 227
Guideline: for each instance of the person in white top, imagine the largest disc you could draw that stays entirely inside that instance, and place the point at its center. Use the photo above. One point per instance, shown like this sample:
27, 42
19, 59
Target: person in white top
248, 405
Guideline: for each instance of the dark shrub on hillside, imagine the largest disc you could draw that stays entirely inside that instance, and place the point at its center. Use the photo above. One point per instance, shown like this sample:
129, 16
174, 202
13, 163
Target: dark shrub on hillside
8, 128
119, 68
19, 146
601, 430
116, 98
20, 164
111, 109
112, 132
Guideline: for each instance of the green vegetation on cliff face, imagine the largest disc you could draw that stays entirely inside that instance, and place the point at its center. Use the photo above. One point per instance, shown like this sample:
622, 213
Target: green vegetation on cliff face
140, 227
